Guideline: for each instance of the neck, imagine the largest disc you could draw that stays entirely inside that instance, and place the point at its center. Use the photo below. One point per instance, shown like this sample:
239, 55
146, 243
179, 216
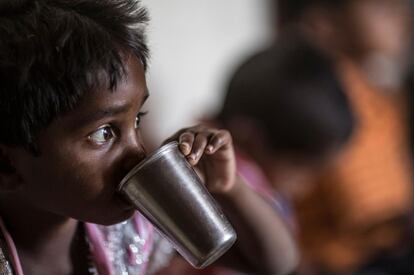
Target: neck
42, 239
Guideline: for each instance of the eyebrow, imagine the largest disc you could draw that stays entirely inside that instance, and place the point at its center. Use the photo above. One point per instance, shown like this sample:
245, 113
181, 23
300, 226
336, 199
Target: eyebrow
108, 112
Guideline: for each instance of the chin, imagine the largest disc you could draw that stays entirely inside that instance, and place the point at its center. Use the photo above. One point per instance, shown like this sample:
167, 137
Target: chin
112, 212
120, 217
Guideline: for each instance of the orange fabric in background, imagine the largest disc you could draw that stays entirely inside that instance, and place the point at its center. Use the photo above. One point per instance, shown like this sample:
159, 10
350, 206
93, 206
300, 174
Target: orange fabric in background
351, 212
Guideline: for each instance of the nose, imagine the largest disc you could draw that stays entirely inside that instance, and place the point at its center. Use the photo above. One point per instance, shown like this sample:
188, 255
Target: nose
134, 153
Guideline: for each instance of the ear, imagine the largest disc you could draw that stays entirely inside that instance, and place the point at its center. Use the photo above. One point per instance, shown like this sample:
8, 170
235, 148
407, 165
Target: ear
9, 179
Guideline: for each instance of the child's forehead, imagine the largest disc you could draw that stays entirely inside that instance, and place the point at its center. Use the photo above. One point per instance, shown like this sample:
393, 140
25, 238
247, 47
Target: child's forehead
129, 93
133, 78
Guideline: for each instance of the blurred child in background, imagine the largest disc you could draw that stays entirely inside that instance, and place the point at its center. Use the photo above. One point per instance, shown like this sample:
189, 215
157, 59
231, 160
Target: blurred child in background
289, 117
359, 206
399, 261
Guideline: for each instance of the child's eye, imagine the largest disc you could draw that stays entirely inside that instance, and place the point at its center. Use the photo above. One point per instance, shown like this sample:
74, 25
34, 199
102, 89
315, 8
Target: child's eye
138, 118
102, 135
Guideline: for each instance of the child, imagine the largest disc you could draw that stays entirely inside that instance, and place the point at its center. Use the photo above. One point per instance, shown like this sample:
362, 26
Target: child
299, 115
288, 117
71, 102
360, 200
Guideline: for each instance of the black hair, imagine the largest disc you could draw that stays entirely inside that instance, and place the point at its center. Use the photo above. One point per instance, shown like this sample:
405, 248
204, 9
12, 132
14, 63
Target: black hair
52, 52
293, 92
290, 11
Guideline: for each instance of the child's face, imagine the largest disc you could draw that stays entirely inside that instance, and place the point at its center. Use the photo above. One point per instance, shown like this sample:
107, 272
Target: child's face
86, 153
377, 25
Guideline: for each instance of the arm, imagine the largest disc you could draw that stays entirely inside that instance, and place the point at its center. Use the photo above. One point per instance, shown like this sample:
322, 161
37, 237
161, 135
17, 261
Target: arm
265, 245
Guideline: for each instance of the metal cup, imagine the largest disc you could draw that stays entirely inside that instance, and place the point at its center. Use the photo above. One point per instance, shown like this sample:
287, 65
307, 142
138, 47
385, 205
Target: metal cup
168, 192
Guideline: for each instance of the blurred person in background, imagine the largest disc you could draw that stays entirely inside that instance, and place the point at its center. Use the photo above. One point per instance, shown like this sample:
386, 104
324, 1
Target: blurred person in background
399, 261
359, 206
289, 117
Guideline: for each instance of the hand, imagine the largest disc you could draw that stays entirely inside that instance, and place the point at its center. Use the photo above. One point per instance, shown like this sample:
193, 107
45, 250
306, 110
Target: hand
211, 152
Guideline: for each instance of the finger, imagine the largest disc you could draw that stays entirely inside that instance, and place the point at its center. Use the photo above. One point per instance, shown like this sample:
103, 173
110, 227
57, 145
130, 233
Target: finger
186, 141
199, 145
176, 135
217, 141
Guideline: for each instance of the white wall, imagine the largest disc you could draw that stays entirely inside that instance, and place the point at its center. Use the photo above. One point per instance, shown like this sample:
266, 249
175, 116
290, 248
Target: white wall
195, 46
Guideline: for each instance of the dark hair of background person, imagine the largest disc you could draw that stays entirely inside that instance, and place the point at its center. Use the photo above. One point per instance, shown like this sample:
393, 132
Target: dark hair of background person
289, 11
292, 91
52, 52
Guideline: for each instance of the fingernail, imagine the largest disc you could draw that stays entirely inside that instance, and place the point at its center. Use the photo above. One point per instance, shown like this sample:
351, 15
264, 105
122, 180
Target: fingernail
209, 148
194, 156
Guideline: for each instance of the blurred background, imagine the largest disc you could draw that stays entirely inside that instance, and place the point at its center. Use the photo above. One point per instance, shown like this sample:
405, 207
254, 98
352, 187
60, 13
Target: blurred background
318, 97
195, 47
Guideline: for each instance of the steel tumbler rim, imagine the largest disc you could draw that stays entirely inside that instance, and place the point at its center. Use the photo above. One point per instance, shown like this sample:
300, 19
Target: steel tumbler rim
148, 160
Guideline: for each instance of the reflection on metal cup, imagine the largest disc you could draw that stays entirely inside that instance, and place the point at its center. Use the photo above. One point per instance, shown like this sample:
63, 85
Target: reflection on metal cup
168, 192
